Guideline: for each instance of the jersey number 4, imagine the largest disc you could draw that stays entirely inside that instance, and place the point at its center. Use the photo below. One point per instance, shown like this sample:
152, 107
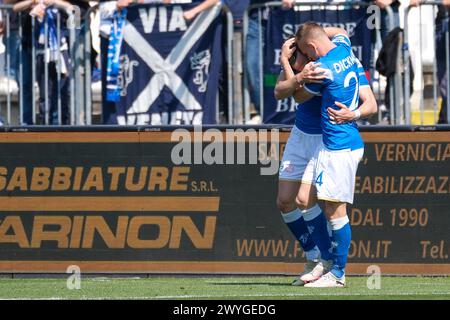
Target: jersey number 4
319, 181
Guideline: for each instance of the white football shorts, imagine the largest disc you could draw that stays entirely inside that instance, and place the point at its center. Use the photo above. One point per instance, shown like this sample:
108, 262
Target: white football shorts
335, 172
299, 157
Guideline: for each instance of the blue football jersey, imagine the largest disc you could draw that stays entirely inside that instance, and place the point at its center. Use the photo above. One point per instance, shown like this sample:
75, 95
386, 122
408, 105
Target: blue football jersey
308, 114
341, 85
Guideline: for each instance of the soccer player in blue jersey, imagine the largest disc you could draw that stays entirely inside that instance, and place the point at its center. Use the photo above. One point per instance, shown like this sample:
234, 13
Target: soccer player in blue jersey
295, 197
335, 166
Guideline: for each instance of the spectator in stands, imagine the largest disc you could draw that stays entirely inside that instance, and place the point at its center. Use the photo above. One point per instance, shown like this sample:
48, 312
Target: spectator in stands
11, 43
442, 26
385, 27
395, 5
252, 54
57, 53
237, 8
385, 18
82, 4
26, 95
80, 38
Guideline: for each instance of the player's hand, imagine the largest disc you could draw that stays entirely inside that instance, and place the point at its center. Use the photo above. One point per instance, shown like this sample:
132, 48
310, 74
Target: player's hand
311, 73
342, 115
288, 49
446, 3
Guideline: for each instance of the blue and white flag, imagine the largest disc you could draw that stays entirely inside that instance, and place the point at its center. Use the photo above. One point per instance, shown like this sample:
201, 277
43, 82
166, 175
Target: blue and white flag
282, 25
169, 66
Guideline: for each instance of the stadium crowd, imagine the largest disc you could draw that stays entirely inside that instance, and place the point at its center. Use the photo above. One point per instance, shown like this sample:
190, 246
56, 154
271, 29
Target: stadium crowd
59, 52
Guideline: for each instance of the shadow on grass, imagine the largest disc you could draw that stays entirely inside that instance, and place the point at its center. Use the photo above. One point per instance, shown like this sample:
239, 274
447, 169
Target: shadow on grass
273, 284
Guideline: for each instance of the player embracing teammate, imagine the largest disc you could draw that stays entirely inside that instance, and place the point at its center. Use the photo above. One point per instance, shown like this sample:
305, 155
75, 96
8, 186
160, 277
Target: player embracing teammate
324, 149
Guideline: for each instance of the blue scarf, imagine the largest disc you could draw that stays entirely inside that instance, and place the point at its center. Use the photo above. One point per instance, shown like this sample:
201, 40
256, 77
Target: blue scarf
52, 40
113, 66
53, 46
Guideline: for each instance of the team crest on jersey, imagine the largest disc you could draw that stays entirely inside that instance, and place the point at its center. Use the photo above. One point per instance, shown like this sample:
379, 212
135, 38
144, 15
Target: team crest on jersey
126, 74
200, 64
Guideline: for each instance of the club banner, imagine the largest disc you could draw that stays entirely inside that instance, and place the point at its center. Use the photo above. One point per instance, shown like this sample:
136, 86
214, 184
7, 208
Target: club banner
204, 201
169, 66
282, 25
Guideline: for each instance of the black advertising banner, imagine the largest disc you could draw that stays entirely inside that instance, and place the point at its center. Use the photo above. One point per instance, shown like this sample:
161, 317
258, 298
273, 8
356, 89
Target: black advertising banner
190, 202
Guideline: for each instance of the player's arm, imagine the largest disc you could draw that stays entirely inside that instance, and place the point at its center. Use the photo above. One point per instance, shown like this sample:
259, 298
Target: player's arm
302, 95
291, 85
287, 82
311, 80
285, 86
333, 31
367, 108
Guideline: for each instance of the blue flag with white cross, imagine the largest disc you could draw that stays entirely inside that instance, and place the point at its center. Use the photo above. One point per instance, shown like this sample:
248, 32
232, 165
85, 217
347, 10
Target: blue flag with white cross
169, 67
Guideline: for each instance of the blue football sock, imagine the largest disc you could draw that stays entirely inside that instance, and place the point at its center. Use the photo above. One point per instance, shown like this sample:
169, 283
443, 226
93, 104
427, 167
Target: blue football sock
341, 237
297, 225
318, 228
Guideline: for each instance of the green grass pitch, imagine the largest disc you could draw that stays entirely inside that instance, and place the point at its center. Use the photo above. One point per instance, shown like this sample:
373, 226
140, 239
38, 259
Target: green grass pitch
221, 288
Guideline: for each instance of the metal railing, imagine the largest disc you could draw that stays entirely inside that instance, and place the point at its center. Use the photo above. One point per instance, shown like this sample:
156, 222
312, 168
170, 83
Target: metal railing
407, 69
79, 79
45, 90
394, 85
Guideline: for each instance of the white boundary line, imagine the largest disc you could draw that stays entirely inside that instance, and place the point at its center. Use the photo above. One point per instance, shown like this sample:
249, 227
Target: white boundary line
263, 295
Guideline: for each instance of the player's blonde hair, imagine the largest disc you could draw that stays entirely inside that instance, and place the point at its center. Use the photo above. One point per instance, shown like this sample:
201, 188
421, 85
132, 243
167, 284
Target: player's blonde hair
310, 30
